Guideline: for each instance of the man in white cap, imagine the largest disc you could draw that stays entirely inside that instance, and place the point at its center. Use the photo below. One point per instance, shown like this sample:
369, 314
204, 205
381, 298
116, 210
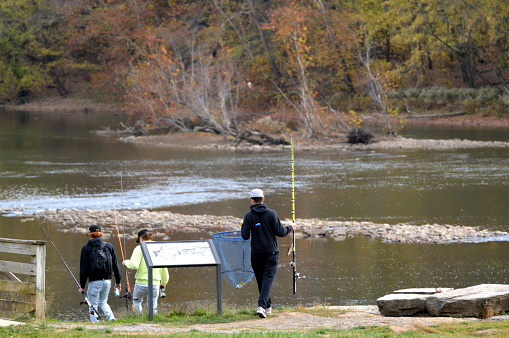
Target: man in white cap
263, 226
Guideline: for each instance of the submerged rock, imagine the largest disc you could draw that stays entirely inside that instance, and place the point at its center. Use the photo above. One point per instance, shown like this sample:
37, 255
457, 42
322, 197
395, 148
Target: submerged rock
76, 220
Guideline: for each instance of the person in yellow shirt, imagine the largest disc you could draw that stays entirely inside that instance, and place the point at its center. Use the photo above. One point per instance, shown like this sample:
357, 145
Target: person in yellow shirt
160, 276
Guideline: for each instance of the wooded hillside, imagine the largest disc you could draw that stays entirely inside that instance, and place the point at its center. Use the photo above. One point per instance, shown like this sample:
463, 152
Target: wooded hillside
320, 66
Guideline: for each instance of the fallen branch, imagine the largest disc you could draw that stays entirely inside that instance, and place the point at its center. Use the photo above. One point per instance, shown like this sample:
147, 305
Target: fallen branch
123, 129
258, 138
432, 115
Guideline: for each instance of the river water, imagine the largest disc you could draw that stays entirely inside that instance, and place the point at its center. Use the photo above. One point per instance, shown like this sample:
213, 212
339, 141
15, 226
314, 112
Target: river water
53, 161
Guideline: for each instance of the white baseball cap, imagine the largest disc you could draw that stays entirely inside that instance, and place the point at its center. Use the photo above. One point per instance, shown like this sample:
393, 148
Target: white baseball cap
256, 193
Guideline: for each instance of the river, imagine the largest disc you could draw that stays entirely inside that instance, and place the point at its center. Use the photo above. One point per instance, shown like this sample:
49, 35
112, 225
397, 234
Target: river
53, 161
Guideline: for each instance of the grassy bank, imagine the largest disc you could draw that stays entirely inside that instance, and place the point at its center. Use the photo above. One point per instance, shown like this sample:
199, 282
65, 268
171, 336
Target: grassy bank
485, 329
233, 322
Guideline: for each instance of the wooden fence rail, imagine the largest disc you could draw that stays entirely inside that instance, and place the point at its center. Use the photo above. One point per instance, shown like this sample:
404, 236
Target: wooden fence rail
32, 292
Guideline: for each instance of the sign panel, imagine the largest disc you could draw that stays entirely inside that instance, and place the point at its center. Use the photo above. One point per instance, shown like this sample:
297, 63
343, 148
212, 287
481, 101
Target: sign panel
180, 253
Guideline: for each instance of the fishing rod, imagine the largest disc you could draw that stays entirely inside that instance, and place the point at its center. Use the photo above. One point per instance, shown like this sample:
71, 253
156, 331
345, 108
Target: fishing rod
293, 264
128, 294
85, 300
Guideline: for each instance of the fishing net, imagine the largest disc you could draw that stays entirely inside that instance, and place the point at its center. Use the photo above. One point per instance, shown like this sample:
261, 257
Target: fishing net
235, 255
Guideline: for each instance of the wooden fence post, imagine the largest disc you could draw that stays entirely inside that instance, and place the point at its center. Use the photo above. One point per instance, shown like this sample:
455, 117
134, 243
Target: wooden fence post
34, 290
40, 280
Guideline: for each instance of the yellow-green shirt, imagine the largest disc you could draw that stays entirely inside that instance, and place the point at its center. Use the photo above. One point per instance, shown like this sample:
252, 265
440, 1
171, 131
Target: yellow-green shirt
137, 262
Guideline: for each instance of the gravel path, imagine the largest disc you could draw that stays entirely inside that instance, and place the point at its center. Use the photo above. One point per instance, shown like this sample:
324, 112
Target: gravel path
338, 317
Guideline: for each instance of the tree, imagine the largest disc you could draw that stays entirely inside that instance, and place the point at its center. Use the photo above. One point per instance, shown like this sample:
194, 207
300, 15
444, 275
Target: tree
441, 35
241, 28
184, 88
337, 22
378, 84
31, 49
290, 25
184, 77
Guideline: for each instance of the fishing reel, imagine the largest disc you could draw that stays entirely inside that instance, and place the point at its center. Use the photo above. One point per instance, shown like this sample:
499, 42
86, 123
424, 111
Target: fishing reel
95, 314
92, 311
296, 274
127, 295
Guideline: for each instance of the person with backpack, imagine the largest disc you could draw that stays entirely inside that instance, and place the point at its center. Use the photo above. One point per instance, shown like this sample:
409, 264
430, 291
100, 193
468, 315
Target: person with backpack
97, 264
160, 276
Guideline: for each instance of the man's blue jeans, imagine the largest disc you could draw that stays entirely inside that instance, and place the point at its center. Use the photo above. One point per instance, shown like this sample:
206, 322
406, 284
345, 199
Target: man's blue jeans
98, 297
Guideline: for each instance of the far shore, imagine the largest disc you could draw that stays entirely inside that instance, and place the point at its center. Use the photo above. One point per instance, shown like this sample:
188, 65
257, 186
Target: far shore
213, 141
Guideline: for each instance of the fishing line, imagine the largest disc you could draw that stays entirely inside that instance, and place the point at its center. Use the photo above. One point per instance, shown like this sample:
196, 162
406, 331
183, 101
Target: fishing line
93, 311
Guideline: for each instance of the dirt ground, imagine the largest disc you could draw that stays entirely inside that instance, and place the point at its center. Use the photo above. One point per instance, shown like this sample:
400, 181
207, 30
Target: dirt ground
339, 317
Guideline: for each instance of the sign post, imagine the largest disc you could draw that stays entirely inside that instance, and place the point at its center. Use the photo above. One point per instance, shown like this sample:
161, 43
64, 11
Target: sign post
180, 254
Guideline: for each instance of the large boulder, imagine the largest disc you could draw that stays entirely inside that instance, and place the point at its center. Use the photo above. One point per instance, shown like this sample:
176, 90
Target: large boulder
481, 301
402, 305
407, 302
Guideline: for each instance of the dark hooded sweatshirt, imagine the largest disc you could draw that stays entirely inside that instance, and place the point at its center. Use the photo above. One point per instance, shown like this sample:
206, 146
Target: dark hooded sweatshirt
263, 226
85, 272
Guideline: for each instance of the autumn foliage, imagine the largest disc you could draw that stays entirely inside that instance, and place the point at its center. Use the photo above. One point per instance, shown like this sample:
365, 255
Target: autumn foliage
320, 66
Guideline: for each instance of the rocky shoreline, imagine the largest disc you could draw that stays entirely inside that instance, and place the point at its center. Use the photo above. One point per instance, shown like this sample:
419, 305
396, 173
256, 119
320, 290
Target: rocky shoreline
164, 223
206, 141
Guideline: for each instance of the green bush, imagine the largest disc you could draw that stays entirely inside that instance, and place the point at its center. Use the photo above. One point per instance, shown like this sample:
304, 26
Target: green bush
467, 94
497, 109
470, 106
447, 99
9, 87
443, 95
486, 95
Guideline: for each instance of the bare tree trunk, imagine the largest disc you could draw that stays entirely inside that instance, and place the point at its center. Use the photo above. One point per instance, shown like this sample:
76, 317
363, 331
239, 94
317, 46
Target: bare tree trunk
375, 86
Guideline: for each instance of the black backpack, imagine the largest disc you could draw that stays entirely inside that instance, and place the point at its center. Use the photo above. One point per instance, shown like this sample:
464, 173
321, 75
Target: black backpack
100, 260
